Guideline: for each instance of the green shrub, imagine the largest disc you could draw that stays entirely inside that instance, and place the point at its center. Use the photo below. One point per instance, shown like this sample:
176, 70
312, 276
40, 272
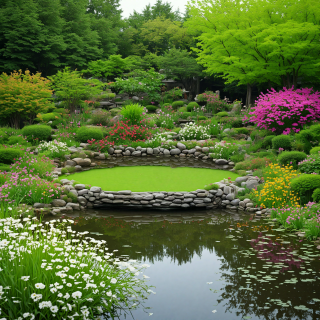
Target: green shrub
191, 106
211, 186
311, 164
176, 130
64, 171
306, 137
183, 109
267, 142
49, 117
132, 113
252, 164
4, 167
186, 115
167, 104
73, 197
202, 118
242, 130
177, 104
291, 158
304, 186
316, 195
237, 157
222, 114
151, 108
315, 150
102, 118
17, 140
109, 95
282, 141
37, 133
115, 112
258, 134
71, 169
7, 156
84, 134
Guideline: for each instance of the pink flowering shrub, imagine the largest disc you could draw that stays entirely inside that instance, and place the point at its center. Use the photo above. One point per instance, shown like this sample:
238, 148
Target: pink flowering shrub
285, 111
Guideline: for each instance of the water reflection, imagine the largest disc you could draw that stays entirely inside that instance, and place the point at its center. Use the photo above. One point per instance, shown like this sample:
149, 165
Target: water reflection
204, 262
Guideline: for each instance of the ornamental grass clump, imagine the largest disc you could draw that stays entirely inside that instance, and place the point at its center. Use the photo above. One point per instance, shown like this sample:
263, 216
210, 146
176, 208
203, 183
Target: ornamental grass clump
285, 111
276, 191
192, 131
49, 271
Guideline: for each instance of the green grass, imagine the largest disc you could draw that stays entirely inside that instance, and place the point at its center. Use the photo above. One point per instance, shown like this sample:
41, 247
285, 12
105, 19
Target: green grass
151, 178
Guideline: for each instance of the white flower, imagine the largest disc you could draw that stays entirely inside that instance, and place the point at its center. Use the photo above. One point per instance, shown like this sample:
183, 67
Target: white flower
36, 297
109, 293
25, 278
26, 314
113, 280
54, 309
214, 311
53, 290
40, 286
67, 296
76, 295
45, 304
69, 285
66, 269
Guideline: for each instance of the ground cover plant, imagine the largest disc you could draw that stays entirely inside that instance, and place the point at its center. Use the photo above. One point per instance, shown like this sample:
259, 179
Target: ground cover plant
60, 273
152, 178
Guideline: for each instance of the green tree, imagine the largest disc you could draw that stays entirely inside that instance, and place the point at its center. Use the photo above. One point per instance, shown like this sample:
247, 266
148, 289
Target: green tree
180, 65
70, 87
257, 41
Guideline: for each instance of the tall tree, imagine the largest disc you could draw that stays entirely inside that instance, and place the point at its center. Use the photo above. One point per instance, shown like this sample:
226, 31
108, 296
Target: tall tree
255, 41
180, 65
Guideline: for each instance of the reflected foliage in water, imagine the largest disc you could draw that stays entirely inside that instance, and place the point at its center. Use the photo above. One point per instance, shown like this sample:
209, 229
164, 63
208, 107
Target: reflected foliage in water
264, 273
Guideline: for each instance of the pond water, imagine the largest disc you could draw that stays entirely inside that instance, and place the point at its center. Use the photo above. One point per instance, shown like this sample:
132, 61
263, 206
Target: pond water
213, 265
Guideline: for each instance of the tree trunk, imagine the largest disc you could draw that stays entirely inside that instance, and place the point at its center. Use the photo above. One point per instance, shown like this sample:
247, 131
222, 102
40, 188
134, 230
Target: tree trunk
248, 99
198, 85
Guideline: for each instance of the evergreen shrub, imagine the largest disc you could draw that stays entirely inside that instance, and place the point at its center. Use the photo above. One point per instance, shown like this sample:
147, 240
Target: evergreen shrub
291, 158
37, 133
84, 134
282, 141
304, 185
7, 156
191, 106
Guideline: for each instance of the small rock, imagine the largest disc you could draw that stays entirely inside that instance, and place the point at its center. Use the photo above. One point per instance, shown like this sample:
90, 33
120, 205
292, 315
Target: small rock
58, 203
181, 146
80, 186
221, 162
175, 151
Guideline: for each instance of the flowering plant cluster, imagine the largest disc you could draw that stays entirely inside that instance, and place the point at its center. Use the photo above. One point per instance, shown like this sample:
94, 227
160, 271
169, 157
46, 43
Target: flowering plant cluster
192, 131
285, 111
119, 133
276, 192
55, 149
223, 150
166, 117
311, 164
68, 138
307, 218
62, 274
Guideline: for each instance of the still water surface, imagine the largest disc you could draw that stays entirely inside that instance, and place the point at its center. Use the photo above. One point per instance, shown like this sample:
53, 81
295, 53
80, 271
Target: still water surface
213, 265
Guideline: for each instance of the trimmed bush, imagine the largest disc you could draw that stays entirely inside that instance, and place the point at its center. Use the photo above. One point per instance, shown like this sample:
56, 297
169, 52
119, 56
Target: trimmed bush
242, 130
316, 195
191, 106
202, 118
291, 158
222, 114
151, 108
177, 104
4, 167
37, 133
186, 115
306, 136
183, 109
315, 150
267, 142
84, 134
305, 185
282, 141
17, 140
49, 117
7, 156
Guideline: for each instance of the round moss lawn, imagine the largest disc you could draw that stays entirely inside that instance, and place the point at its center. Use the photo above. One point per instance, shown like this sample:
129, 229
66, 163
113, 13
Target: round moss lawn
150, 178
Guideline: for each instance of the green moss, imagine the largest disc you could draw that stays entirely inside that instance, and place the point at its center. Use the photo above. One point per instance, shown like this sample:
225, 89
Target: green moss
152, 178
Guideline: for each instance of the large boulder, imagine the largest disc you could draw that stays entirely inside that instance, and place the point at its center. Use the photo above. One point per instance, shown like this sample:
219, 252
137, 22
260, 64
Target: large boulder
82, 162
181, 146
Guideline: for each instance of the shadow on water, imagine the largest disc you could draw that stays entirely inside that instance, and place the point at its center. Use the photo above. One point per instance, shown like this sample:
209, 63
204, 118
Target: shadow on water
209, 264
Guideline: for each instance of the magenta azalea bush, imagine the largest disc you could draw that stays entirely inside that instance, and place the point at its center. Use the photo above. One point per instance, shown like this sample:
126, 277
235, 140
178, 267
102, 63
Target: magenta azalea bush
285, 111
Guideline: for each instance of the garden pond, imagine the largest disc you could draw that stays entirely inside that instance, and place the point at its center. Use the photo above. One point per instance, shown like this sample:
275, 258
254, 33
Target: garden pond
212, 264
